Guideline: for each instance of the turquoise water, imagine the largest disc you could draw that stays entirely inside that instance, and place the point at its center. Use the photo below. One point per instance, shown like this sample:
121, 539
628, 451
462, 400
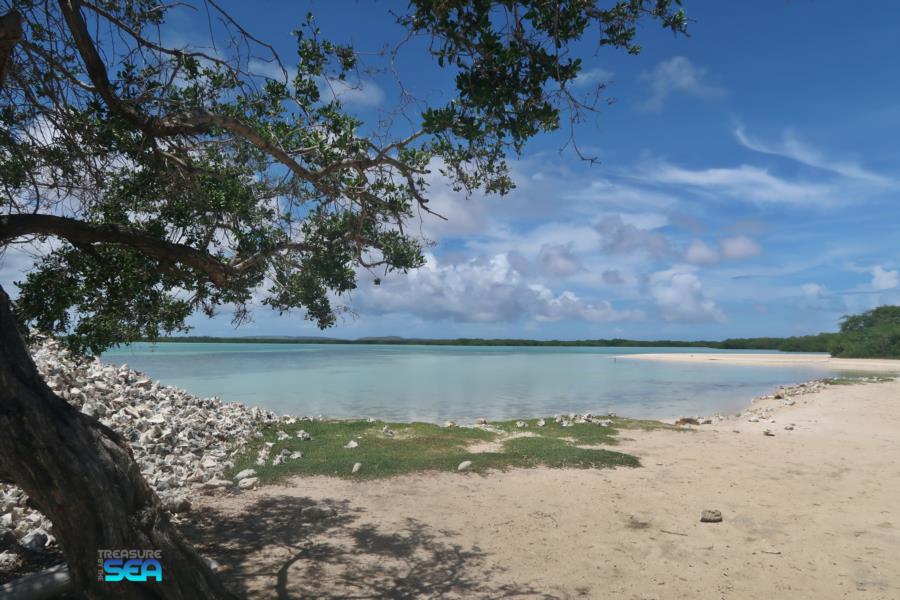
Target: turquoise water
435, 383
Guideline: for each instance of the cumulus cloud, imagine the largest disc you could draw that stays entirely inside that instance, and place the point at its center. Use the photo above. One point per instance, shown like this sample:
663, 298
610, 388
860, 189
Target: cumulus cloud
699, 253
679, 294
619, 237
793, 148
612, 277
593, 77
483, 291
558, 260
739, 247
813, 290
882, 279
362, 93
678, 75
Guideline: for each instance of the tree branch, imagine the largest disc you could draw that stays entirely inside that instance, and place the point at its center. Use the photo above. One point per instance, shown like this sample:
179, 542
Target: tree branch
10, 34
81, 233
200, 121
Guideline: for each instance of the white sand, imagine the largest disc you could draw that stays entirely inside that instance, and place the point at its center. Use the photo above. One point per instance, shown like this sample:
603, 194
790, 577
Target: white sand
812, 513
817, 360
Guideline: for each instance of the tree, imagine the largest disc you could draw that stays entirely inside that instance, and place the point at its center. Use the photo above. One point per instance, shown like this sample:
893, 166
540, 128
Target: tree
165, 180
874, 333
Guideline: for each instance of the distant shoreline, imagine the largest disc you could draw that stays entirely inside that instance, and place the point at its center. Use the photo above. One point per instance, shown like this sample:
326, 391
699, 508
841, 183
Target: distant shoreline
780, 359
728, 344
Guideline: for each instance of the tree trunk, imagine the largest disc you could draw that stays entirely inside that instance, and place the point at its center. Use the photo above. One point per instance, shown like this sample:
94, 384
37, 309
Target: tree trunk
82, 476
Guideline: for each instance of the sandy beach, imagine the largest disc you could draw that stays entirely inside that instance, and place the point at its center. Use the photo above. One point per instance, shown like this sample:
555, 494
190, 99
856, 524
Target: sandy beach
810, 512
818, 360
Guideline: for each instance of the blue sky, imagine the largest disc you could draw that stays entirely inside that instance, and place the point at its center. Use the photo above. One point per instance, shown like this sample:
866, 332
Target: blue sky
747, 185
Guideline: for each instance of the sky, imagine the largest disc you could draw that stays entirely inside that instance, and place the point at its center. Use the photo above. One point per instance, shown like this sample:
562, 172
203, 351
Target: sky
746, 185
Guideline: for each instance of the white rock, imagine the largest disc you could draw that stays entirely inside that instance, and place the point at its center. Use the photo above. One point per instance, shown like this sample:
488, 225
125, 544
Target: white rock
178, 440
36, 540
356, 468
302, 435
316, 512
521, 424
248, 483
351, 444
217, 483
464, 465
246, 473
9, 561
541, 422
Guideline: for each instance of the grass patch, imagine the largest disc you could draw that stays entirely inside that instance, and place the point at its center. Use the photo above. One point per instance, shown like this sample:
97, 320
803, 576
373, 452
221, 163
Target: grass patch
418, 447
856, 379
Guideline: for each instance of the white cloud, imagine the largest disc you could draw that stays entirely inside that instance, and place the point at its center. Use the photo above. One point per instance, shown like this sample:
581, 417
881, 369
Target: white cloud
613, 277
593, 78
482, 291
699, 253
739, 247
362, 93
619, 237
558, 260
679, 295
882, 279
793, 148
676, 75
746, 183
813, 290
609, 194
18, 259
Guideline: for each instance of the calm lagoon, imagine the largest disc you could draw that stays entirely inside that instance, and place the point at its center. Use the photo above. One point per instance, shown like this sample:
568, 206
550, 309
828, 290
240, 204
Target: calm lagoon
435, 383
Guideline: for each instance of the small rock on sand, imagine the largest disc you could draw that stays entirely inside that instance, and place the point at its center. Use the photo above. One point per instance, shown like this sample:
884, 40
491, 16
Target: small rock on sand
316, 512
711, 516
769, 433
215, 482
248, 483
464, 465
246, 473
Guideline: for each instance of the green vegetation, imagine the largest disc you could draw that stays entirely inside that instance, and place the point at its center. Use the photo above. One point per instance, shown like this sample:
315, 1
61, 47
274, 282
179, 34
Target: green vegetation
856, 379
872, 334
417, 447
399, 341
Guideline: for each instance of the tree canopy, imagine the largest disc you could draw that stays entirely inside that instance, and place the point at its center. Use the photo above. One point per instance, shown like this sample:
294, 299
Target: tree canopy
175, 179
872, 334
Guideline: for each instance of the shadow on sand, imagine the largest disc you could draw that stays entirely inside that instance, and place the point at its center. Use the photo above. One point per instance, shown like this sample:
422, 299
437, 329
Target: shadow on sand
271, 551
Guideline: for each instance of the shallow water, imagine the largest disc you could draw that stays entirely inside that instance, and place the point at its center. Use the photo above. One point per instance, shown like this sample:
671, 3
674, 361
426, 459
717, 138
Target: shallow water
435, 383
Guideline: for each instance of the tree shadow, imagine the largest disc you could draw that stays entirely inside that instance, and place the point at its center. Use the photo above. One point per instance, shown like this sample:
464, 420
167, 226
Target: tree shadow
270, 550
